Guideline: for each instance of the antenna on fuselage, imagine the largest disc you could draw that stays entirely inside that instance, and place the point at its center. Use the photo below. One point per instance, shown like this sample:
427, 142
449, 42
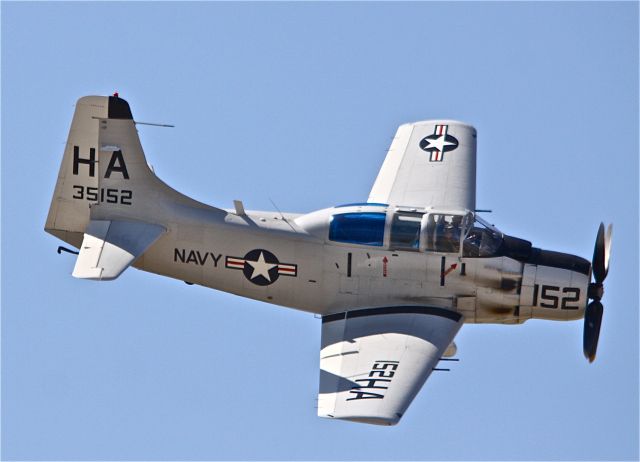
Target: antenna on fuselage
282, 215
239, 206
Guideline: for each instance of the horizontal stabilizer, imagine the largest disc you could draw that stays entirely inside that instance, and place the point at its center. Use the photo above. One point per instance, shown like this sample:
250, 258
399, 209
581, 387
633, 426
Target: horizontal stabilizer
110, 246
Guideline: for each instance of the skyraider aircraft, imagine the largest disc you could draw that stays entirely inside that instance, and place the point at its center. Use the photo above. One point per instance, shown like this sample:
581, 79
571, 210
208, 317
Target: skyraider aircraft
394, 278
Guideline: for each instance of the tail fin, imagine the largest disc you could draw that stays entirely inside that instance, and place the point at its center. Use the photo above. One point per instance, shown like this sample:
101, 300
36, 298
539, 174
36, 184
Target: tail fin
104, 174
103, 164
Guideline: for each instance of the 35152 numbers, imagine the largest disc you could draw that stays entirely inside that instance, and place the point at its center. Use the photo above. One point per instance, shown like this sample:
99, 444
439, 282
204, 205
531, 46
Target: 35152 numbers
108, 195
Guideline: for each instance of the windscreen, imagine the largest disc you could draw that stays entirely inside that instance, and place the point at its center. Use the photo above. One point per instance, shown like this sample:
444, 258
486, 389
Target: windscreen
482, 240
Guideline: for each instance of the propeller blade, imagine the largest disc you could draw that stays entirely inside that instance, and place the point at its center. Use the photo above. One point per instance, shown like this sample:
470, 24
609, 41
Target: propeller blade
592, 322
599, 256
607, 248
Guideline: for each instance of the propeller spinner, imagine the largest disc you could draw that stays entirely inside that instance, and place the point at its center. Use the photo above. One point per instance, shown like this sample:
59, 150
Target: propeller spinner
593, 313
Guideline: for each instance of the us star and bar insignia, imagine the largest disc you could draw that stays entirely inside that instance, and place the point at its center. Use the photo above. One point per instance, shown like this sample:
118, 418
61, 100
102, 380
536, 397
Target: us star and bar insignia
261, 267
438, 143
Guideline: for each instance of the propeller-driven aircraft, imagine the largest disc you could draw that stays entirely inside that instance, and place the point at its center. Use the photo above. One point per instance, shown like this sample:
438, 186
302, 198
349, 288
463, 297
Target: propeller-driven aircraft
393, 278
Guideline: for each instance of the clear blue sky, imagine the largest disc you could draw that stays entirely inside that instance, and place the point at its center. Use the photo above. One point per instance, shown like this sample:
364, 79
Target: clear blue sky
298, 103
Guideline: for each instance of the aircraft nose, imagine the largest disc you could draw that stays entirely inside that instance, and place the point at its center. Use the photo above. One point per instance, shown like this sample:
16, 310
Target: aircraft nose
560, 286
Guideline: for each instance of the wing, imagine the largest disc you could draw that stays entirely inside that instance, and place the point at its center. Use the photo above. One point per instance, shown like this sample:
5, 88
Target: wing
430, 163
110, 246
373, 362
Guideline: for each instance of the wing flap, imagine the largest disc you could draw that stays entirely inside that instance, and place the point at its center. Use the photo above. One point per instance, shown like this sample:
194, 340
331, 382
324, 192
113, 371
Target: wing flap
373, 362
111, 246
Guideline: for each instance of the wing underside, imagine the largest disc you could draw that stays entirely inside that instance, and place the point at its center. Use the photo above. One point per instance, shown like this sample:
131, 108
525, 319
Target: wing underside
373, 362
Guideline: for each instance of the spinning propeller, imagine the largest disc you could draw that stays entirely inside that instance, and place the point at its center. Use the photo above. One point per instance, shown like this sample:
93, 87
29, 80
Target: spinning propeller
593, 313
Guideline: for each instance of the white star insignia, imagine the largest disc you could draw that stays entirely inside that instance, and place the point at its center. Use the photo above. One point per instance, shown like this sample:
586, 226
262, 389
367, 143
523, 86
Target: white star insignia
439, 143
261, 267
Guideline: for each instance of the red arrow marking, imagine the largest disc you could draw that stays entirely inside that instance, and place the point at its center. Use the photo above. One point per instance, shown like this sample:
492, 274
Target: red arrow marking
451, 268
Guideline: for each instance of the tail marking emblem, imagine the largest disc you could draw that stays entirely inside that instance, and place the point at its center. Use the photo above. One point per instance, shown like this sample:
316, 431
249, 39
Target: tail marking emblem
438, 143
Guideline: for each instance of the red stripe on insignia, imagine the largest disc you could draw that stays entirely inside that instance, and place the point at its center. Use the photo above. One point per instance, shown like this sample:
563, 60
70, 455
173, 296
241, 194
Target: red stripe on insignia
235, 263
440, 129
287, 270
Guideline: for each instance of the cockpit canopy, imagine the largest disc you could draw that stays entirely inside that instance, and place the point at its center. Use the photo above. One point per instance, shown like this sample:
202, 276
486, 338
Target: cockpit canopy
364, 228
433, 231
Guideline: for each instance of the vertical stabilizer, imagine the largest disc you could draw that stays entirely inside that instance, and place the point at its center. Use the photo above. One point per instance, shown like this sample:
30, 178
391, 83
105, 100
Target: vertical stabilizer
103, 165
105, 176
